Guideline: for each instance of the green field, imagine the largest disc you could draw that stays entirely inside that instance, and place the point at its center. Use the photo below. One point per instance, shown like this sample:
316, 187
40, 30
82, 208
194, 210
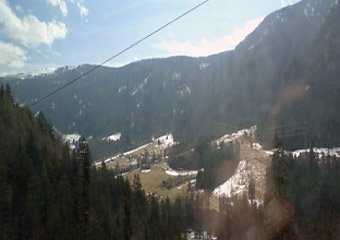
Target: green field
152, 182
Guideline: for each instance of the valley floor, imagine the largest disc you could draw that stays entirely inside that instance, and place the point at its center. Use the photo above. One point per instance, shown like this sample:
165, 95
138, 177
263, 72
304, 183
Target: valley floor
165, 182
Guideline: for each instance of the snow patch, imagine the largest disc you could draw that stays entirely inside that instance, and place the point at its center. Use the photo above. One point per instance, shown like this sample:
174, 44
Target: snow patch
257, 146
247, 169
204, 65
141, 86
236, 184
110, 159
175, 173
71, 139
165, 141
176, 76
251, 47
22, 104
39, 72
182, 186
112, 138
233, 136
80, 113
305, 11
269, 152
283, 19
134, 92
320, 151
135, 150
185, 91
43, 71
122, 88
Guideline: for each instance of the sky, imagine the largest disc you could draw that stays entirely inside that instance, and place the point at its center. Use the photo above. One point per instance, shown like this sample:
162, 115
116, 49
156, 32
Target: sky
46, 34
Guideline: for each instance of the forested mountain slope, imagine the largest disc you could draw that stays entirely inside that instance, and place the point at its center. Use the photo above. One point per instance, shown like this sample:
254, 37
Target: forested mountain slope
194, 97
48, 192
310, 87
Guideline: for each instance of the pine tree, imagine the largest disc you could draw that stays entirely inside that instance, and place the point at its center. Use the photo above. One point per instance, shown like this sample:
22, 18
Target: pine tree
8, 92
2, 92
83, 157
43, 125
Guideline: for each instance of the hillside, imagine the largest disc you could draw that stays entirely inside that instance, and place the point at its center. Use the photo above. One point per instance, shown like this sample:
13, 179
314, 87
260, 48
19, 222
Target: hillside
207, 97
50, 192
316, 74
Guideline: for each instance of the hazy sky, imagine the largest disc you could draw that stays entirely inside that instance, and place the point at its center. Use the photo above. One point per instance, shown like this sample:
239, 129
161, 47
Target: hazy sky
36, 34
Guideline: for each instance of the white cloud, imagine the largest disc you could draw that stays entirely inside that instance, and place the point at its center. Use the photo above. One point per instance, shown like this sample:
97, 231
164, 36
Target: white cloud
11, 56
18, 8
82, 10
29, 30
61, 4
206, 47
285, 3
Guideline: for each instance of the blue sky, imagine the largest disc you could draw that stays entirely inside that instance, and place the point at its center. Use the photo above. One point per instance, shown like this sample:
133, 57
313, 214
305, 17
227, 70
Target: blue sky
37, 34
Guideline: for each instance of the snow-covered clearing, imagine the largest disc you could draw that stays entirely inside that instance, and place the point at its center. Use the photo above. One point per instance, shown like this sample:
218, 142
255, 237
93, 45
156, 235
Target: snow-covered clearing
253, 164
236, 184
